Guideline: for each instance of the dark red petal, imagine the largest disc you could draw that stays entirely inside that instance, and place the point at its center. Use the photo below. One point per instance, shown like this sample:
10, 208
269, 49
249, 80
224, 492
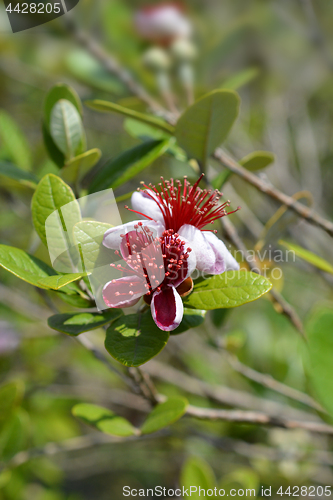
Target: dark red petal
167, 309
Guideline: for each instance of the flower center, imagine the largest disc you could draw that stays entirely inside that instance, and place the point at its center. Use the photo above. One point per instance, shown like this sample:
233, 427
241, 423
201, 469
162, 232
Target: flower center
186, 204
160, 261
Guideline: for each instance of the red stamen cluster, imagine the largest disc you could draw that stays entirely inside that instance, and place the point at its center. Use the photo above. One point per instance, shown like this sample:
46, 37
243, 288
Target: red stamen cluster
159, 261
185, 204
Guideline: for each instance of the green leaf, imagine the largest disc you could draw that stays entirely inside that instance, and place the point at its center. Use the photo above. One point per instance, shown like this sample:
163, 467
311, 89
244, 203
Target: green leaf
318, 356
89, 236
206, 124
76, 168
191, 319
308, 256
13, 172
13, 142
76, 323
111, 107
104, 420
24, 266
14, 434
128, 164
11, 394
143, 131
54, 153
164, 414
51, 194
230, 289
196, 472
135, 339
57, 92
66, 127
58, 281
241, 78
257, 160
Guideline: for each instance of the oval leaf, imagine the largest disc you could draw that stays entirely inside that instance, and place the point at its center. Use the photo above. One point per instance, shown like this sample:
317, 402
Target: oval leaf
230, 289
76, 168
257, 160
24, 266
206, 124
164, 414
128, 164
51, 194
104, 420
135, 339
111, 107
318, 356
57, 92
76, 323
66, 127
308, 256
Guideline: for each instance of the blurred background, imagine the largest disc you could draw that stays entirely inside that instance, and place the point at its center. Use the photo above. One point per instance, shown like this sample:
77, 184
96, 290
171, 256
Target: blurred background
278, 54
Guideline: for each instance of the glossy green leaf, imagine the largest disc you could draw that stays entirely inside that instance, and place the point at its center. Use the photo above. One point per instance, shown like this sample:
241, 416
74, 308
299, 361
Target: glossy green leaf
111, 107
51, 194
230, 289
24, 266
76, 323
14, 143
76, 168
318, 356
164, 414
206, 124
257, 160
308, 256
191, 319
66, 127
143, 131
57, 92
135, 339
59, 281
128, 164
196, 472
54, 153
89, 235
104, 420
14, 434
17, 174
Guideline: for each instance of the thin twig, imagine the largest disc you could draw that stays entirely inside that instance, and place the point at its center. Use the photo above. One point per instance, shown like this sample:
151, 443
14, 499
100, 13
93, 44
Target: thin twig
268, 381
252, 417
221, 394
266, 187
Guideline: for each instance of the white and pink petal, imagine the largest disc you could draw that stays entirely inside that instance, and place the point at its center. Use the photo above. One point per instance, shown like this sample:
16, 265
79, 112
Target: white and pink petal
124, 292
